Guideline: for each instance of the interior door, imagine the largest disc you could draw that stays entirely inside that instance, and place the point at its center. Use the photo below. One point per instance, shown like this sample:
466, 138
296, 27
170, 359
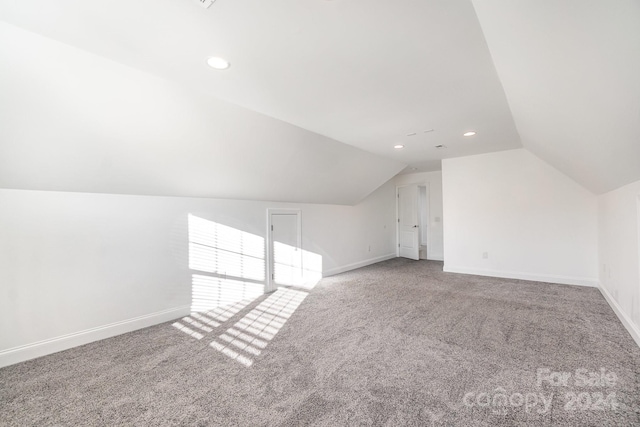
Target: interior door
408, 229
286, 264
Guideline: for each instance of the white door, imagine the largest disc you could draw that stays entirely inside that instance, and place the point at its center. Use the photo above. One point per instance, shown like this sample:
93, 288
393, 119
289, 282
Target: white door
408, 229
286, 255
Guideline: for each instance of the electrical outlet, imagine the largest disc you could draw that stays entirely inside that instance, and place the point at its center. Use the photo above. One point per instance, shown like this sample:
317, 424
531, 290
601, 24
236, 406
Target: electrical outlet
485, 255
369, 248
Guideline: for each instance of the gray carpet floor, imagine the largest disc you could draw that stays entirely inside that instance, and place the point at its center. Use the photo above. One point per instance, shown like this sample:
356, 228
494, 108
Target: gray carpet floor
396, 343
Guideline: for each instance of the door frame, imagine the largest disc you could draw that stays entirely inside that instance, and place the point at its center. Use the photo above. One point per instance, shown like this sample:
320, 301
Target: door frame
269, 282
426, 184
428, 215
638, 214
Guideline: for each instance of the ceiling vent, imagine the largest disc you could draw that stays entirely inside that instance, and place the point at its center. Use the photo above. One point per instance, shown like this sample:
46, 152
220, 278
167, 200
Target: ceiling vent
441, 147
205, 3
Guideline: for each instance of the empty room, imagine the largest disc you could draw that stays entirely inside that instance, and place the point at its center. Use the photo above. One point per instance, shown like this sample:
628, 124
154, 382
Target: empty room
320, 212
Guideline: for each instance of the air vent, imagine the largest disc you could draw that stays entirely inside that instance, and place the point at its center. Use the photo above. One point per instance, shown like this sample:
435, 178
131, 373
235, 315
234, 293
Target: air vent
205, 3
441, 147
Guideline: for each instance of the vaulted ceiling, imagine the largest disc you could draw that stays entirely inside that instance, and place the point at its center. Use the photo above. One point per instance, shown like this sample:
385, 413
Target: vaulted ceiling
72, 121
116, 96
571, 72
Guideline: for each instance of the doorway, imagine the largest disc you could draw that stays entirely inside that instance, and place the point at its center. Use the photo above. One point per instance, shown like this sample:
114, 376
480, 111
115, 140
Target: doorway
423, 219
413, 221
408, 226
284, 248
638, 212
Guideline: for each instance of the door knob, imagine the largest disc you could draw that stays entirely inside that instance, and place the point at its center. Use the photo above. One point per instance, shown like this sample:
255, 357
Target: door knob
415, 226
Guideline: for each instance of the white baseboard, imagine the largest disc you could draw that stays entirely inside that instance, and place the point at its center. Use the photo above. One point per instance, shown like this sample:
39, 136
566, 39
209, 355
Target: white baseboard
355, 265
631, 327
435, 258
562, 280
65, 342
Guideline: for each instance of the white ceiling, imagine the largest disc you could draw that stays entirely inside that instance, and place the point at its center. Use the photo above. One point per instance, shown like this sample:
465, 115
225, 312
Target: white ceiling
72, 121
362, 72
312, 74
571, 72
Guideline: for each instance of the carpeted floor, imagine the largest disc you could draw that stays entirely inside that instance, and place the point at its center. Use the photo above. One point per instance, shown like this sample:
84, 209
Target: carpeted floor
397, 343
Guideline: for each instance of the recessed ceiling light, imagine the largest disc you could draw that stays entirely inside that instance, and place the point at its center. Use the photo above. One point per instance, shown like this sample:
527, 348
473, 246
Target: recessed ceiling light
399, 146
470, 133
218, 63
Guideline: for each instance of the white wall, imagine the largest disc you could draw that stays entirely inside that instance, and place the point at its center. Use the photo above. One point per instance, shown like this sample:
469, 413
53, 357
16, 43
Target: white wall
436, 218
74, 262
619, 255
533, 222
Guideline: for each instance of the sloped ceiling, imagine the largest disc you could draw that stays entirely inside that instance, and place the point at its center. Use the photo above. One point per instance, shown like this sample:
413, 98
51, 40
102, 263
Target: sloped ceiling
354, 74
72, 121
317, 94
571, 73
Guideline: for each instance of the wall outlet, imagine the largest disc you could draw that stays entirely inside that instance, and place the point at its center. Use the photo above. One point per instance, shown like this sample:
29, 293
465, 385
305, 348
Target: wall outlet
369, 248
485, 255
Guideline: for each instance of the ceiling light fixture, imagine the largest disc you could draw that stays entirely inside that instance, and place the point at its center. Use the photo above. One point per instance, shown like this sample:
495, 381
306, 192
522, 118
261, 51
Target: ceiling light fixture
470, 133
399, 146
218, 63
